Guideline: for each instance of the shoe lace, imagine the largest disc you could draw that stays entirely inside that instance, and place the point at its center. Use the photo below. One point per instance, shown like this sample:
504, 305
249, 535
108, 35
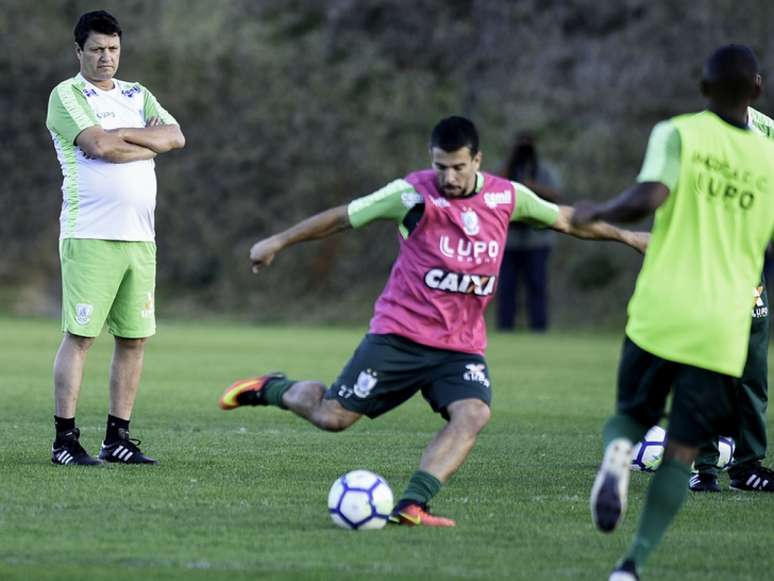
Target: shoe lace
132, 443
71, 442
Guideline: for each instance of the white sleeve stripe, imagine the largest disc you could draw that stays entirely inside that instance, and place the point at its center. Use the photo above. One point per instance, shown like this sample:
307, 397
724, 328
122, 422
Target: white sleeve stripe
75, 110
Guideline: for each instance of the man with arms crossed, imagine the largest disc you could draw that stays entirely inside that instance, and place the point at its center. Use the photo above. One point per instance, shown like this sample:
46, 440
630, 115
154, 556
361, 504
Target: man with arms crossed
106, 133
428, 332
689, 317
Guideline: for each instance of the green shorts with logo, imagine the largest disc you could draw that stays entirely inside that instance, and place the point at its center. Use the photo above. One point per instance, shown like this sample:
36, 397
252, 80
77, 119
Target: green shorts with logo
704, 403
387, 370
108, 281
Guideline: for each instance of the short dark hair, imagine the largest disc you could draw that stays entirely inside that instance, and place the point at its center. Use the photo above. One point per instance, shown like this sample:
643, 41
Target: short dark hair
97, 21
730, 73
454, 133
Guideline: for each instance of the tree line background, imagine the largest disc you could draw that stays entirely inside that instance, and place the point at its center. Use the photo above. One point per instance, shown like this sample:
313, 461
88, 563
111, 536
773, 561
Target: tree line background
292, 106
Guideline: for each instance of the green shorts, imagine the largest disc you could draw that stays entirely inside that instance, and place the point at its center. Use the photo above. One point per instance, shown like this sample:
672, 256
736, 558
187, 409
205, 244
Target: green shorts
108, 280
704, 403
387, 370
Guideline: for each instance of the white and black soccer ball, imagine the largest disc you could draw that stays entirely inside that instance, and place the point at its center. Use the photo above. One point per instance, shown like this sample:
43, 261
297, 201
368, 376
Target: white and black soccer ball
360, 500
726, 449
650, 451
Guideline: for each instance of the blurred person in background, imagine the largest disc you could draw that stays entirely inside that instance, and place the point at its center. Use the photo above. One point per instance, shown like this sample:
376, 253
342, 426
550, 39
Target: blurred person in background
525, 261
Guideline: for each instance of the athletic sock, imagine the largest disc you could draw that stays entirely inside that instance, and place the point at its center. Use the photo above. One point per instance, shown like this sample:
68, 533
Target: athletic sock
667, 491
113, 425
623, 426
275, 388
62, 425
421, 488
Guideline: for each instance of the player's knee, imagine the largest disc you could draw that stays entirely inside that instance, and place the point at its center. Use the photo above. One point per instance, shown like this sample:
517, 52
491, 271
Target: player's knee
471, 415
332, 423
131, 344
79, 342
331, 416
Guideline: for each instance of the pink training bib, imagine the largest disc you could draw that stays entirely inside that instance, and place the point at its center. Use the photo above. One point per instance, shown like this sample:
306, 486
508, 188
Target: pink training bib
446, 272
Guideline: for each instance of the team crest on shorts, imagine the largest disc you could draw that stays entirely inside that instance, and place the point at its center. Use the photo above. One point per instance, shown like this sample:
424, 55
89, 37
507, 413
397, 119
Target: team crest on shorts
83, 313
760, 310
148, 308
476, 372
365, 383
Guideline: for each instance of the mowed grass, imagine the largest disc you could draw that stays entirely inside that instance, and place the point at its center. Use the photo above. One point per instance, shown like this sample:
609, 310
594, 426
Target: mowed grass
242, 494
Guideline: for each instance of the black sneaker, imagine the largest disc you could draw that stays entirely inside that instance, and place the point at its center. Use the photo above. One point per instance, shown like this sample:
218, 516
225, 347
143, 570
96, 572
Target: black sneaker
757, 479
626, 571
68, 450
704, 482
124, 450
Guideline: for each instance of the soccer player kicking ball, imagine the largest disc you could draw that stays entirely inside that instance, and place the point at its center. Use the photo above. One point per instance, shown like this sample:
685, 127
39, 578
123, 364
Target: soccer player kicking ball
689, 317
428, 332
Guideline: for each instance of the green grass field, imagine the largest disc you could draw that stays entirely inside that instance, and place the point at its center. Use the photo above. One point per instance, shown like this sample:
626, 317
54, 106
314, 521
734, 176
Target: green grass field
242, 494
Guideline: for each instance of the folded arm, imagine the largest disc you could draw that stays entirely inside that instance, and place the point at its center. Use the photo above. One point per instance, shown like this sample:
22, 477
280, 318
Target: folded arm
108, 146
316, 227
156, 136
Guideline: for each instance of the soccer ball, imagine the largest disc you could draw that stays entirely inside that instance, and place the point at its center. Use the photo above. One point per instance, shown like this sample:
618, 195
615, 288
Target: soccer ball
650, 451
726, 447
360, 500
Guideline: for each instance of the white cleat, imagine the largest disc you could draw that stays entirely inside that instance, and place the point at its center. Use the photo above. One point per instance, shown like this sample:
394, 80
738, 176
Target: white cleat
626, 571
608, 495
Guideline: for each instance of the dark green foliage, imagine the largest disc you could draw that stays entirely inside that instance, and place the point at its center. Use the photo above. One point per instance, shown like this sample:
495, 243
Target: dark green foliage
293, 106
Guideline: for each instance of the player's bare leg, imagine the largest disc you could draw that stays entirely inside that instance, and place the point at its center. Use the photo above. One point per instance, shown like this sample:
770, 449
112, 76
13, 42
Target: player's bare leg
68, 373
451, 446
305, 399
125, 372
442, 457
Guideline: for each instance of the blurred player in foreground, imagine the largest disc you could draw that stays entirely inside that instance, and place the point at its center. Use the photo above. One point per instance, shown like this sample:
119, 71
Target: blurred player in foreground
689, 317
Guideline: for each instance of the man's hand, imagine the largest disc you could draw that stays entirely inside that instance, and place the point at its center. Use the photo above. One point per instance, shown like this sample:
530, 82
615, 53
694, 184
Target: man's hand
262, 253
585, 213
633, 205
156, 135
316, 227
